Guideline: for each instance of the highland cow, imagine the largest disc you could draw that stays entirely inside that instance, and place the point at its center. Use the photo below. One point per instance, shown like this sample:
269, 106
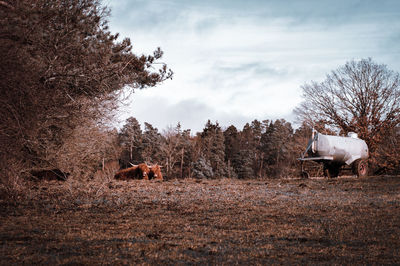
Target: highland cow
140, 171
155, 172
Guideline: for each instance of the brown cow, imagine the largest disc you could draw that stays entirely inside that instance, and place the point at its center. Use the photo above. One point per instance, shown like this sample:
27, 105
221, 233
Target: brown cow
155, 172
136, 172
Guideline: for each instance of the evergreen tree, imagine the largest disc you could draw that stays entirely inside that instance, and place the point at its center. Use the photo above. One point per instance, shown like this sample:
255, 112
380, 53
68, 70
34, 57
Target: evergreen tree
257, 129
251, 155
213, 150
130, 139
151, 143
232, 150
277, 147
244, 169
202, 168
247, 152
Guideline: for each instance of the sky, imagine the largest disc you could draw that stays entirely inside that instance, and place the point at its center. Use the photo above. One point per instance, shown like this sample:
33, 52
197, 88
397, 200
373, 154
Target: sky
236, 61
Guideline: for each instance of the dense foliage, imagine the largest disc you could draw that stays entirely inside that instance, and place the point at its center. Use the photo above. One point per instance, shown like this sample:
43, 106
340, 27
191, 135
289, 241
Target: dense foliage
61, 77
267, 149
261, 149
61, 74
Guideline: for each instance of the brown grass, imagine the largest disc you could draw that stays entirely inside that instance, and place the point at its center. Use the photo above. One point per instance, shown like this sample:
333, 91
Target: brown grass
317, 221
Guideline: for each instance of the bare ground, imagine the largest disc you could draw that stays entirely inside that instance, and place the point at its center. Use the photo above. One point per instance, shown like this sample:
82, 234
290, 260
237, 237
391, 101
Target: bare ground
315, 221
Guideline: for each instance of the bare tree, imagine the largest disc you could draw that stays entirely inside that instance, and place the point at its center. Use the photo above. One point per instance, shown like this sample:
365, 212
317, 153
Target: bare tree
361, 96
172, 147
388, 160
87, 149
177, 151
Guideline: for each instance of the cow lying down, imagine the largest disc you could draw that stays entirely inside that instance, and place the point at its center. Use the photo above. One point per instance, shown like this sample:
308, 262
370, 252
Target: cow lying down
155, 172
141, 171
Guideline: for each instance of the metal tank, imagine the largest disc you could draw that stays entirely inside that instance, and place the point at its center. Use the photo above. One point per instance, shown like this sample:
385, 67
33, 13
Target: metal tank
335, 152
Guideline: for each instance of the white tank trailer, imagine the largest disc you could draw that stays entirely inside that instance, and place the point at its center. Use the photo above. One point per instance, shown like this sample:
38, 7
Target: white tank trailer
335, 152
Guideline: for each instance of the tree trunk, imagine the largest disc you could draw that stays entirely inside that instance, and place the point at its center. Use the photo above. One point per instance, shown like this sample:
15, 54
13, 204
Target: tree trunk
130, 152
183, 150
229, 169
168, 166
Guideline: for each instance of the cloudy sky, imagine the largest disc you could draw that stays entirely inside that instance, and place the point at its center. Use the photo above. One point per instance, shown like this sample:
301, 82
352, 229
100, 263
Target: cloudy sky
236, 61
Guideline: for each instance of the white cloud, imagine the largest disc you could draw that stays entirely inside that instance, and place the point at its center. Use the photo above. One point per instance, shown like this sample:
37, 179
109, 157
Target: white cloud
190, 113
231, 67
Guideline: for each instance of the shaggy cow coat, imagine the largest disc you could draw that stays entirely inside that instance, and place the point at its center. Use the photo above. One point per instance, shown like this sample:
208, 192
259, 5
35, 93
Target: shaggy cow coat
140, 171
155, 172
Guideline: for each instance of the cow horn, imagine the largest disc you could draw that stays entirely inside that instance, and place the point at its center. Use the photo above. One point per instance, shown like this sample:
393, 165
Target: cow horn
133, 164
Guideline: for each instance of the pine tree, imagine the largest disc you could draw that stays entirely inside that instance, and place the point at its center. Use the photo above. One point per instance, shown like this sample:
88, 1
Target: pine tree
202, 168
151, 143
213, 150
232, 150
130, 139
276, 145
251, 155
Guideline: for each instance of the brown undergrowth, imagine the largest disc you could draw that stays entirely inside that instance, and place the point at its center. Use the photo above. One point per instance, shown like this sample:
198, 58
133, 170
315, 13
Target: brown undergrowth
315, 221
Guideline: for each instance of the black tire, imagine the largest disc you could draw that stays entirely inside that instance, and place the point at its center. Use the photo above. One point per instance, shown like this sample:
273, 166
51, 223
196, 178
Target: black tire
360, 168
331, 170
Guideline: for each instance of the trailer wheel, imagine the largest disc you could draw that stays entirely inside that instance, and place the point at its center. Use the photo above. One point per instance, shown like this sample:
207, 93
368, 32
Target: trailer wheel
331, 170
360, 168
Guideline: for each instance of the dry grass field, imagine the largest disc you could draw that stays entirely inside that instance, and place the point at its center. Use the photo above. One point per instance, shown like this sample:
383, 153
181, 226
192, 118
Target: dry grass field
314, 221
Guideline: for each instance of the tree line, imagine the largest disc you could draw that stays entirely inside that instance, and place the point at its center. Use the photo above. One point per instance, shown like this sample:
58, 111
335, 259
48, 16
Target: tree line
261, 149
63, 73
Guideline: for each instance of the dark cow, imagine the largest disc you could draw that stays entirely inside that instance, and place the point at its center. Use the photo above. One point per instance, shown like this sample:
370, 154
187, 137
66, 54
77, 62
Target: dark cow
51, 174
155, 172
140, 171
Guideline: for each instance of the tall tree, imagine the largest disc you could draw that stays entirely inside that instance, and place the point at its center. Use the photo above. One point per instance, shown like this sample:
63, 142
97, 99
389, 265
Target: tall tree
277, 146
151, 143
257, 128
171, 147
232, 150
250, 155
60, 66
177, 149
247, 152
212, 147
361, 96
130, 139
189, 153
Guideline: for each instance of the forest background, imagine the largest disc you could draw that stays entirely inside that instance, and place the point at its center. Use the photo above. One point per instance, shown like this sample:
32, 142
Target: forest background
64, 74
